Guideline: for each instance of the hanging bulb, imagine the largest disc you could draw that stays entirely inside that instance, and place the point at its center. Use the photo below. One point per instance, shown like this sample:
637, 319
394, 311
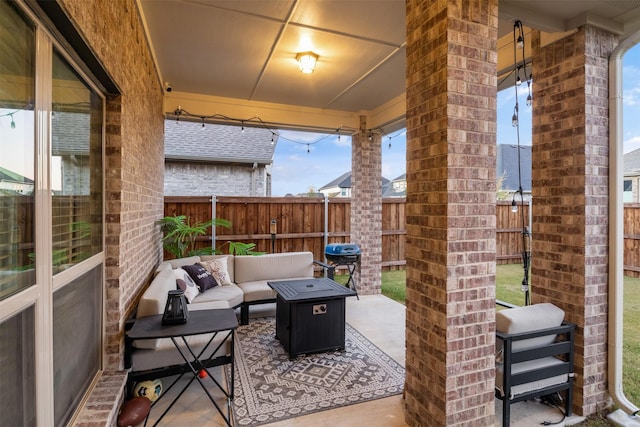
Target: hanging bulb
272, 139
389, 145
529, 100
338, 137
514, 119
203, 122
242, 129
370, 137
520, 42
514, 206
13, 123
518, 80
308, 150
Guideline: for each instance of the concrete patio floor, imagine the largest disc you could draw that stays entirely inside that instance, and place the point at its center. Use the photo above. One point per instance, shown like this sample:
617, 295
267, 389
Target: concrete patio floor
382, 321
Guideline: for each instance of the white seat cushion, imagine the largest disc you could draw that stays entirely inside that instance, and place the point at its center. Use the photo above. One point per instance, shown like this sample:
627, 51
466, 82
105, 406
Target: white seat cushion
531, 365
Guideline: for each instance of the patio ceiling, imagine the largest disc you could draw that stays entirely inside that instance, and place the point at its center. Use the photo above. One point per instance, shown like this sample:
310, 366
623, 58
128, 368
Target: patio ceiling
237, 58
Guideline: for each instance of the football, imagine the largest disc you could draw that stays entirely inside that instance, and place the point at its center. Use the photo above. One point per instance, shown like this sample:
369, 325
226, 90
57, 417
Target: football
151, 389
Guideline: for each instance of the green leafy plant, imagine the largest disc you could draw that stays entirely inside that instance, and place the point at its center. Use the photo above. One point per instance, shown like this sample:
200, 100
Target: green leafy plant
180, 234
240, 248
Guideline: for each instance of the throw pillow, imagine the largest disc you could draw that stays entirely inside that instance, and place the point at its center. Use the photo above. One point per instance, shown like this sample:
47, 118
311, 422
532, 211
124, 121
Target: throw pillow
204, 280
218, 269
186, 283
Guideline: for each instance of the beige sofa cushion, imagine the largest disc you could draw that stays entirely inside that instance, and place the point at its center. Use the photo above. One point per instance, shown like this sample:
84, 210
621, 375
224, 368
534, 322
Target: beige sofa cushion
230, 295
165, 353
154, 300
532, 365
528, 319
249, 268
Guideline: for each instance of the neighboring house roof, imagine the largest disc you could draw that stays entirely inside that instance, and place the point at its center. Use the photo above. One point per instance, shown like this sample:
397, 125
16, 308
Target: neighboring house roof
8, 176
344, 181
190, 141
632, 161
507, 166
402, 177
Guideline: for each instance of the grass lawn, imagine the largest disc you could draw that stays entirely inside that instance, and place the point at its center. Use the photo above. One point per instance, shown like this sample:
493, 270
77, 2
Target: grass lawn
508, 289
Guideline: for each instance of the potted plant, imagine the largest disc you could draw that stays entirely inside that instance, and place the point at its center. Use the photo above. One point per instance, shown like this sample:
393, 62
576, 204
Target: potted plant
180, 234
180, 237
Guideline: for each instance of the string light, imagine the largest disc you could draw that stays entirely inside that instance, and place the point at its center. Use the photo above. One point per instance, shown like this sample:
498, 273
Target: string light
10, 114
258, 122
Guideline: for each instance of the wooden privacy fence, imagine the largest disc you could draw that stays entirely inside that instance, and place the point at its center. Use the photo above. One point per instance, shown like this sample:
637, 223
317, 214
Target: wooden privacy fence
632, 239
308, 224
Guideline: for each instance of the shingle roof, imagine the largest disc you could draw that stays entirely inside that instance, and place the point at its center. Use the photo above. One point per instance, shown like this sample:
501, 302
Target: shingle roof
218, 143
344, 181
507, 166
632, 161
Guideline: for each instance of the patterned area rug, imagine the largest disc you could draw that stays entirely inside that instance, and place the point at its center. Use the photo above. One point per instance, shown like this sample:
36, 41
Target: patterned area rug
269, 387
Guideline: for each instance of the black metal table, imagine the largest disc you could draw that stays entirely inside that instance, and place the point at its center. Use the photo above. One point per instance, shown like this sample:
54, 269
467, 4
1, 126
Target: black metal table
213, 321
310, 314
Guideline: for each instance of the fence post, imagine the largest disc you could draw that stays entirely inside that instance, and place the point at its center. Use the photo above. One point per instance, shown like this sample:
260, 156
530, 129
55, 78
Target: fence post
326, 226
213, 227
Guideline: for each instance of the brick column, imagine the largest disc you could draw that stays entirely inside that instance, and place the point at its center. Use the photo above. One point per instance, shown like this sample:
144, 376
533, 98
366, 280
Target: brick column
366, 207
570, 196
451, 223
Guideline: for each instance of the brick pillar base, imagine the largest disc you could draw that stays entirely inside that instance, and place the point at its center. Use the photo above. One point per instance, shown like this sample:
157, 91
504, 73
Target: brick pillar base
366, 207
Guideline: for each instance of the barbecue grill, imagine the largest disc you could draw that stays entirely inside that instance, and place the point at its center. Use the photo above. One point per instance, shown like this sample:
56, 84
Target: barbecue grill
346, 254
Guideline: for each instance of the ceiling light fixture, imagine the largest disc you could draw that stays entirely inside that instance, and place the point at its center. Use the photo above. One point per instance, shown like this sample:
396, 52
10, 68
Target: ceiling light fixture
307, 61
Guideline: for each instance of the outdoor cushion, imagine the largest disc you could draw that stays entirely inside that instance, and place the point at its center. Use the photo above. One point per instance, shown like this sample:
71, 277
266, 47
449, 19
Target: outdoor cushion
231, 295
166, 354
532, 365
230, 263
154, 300
528, 319
218, 269
260, 290
289, 265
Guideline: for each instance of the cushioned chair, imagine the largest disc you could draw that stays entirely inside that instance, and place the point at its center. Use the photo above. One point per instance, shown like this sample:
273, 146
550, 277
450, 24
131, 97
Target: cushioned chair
534, 355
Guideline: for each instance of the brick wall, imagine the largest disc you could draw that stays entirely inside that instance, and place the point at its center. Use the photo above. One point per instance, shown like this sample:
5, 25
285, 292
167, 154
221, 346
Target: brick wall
451, 222
201, 179
570, 196
134, 156
366, 208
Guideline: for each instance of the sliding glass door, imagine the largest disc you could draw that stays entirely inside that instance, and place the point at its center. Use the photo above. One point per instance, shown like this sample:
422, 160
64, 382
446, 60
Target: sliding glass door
51, 225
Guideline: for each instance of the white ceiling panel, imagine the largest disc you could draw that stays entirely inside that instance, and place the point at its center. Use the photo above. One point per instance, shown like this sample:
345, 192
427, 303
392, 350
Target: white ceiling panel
245, 49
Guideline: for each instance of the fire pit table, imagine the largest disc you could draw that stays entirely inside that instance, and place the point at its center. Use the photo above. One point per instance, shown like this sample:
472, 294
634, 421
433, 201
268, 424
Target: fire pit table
310, 315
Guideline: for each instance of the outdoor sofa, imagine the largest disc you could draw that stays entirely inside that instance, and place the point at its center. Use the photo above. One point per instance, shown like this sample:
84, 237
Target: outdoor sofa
242, 282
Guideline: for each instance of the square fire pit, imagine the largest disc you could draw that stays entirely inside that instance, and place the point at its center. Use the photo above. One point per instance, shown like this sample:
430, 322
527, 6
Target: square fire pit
310, 315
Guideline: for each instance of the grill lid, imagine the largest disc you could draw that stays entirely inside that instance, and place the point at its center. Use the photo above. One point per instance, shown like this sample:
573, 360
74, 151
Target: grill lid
341, 249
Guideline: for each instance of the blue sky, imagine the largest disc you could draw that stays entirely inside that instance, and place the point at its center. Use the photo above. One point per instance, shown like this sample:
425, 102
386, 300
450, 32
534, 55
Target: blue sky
296, 171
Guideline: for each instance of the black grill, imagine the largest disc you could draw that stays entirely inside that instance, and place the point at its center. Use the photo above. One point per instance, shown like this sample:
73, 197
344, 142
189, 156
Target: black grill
342, 253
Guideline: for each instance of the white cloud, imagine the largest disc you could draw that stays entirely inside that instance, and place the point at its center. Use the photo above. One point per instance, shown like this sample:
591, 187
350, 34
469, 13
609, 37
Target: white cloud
631, 144
631, 97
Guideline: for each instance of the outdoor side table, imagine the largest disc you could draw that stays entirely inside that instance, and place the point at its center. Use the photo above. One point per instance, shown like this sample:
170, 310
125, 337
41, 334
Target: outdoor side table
212, 321
310, 314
